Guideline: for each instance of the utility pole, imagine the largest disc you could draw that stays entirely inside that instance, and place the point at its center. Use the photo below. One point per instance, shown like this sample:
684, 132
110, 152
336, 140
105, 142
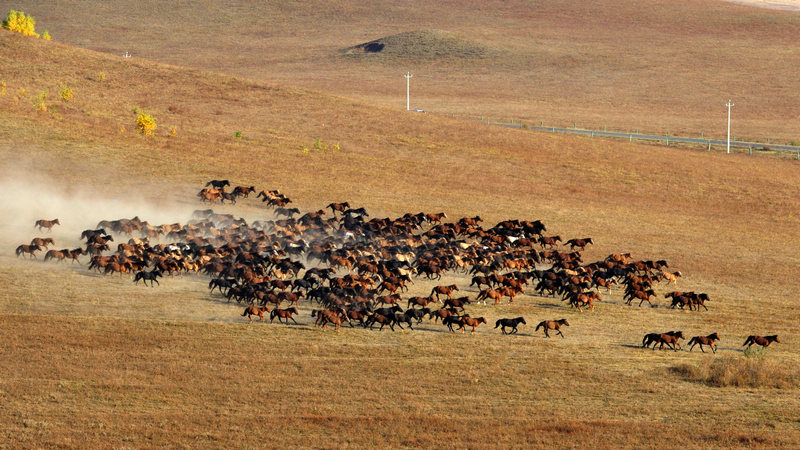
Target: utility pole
408, 90
729, 104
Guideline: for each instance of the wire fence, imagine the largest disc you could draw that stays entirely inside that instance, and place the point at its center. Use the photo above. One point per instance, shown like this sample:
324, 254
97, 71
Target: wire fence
739, 146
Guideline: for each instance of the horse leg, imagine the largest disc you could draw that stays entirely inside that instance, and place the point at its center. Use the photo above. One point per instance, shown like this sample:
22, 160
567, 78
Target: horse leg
562, 334
290, 317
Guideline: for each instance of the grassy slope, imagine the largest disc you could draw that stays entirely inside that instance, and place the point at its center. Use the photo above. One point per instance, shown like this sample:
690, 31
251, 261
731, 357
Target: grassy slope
666, 67
124, 366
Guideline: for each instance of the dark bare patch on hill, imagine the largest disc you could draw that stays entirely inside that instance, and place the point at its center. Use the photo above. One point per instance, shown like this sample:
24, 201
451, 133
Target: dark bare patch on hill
423, 44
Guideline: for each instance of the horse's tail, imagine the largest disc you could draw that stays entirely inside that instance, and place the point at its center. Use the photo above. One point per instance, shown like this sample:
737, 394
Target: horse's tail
748, 341
497, 324
692, 341
541, 324
244, 313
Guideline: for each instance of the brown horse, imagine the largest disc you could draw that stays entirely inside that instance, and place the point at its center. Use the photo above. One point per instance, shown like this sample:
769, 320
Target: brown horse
60, 255
671, 340
552, 325
459, 303
763, 341
650, 338
340, 207
283, 314
43, 242
443, 313
42, 223
251, 311
443, 290
243, 191
709, 340
467, 321
419, 301
489, 293
580, 243
29, 249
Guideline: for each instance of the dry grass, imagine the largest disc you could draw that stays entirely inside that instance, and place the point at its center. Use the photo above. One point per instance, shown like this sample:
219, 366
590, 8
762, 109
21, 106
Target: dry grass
668, 67
754, 370
97, 361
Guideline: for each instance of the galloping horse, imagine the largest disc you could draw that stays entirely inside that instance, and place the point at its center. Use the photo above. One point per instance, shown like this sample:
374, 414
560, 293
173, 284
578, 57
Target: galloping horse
43, 242
511, 323
670, 339
581, 243
763, 341
705, 340
151, 276
650, 338
283, 314
29, 249
443, 290
218, 184
251, 311
469, 321
552, 325
41, 223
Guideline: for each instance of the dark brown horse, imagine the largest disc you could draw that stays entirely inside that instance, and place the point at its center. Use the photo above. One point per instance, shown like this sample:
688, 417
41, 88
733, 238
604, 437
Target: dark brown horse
511, 323
218, 184
243, 191
580, 243
340, 207
709, 340
419, 301
251, 311
60, 255
29, 249
552, 325
763, 341
283, 314
42, 223
650, 338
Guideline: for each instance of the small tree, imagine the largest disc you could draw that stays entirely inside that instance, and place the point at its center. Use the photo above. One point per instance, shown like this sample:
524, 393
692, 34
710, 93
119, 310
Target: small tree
20, 22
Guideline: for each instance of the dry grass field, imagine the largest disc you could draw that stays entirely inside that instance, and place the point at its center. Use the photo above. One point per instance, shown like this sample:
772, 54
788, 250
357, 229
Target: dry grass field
88, 360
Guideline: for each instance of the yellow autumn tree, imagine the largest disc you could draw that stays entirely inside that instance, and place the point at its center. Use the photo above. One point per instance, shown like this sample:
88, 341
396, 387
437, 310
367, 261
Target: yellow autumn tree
20, 22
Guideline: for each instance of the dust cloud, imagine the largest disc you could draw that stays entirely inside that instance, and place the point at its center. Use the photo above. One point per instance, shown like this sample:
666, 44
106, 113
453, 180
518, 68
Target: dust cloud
29, 198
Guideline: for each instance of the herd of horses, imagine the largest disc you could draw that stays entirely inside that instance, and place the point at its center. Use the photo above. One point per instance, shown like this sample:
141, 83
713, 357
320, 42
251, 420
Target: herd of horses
359, 268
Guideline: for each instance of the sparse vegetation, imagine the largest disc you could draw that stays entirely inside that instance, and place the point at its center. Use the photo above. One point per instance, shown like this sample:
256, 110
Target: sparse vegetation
19, 22
145, 123
40, 101
65, 92
46, 35
237, 135
101, 76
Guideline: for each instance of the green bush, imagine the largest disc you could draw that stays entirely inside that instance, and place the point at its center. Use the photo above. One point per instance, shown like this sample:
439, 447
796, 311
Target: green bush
65, 92
19, 22
40, 101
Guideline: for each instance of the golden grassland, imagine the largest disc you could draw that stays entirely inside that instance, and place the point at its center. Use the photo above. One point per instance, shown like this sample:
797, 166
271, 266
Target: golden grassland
89, 360
667, 66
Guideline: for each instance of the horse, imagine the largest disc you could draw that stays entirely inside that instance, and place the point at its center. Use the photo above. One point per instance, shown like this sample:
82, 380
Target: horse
74, 253
29, 249
580, 243
43, 242
457, 303
381, 319
243, 191
763, 341
218, 184
229, 196
251, 311
287, 212
552, 325
340, 207
283, 314
672, 278
42, 223
57, 254
511, 323
644, 296
549, 241
705, 340
435, 217
444, 290
650, 338
443, 313
489, 293
152, 276
419, 301
467, 321
671, 340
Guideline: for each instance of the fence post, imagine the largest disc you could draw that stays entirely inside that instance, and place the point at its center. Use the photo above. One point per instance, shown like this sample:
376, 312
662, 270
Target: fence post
751, 150
630, 138
709, 145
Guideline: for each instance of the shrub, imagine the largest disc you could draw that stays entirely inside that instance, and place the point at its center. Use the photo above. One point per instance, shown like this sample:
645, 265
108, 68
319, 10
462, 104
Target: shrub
65, 92
101, 76
3, 87
20, 22
145, 123
237, 135
173, 131
46, 35
40, 101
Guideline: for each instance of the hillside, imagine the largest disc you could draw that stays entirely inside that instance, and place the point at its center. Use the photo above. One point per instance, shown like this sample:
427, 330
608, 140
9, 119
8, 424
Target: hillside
173, 365
667, 67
